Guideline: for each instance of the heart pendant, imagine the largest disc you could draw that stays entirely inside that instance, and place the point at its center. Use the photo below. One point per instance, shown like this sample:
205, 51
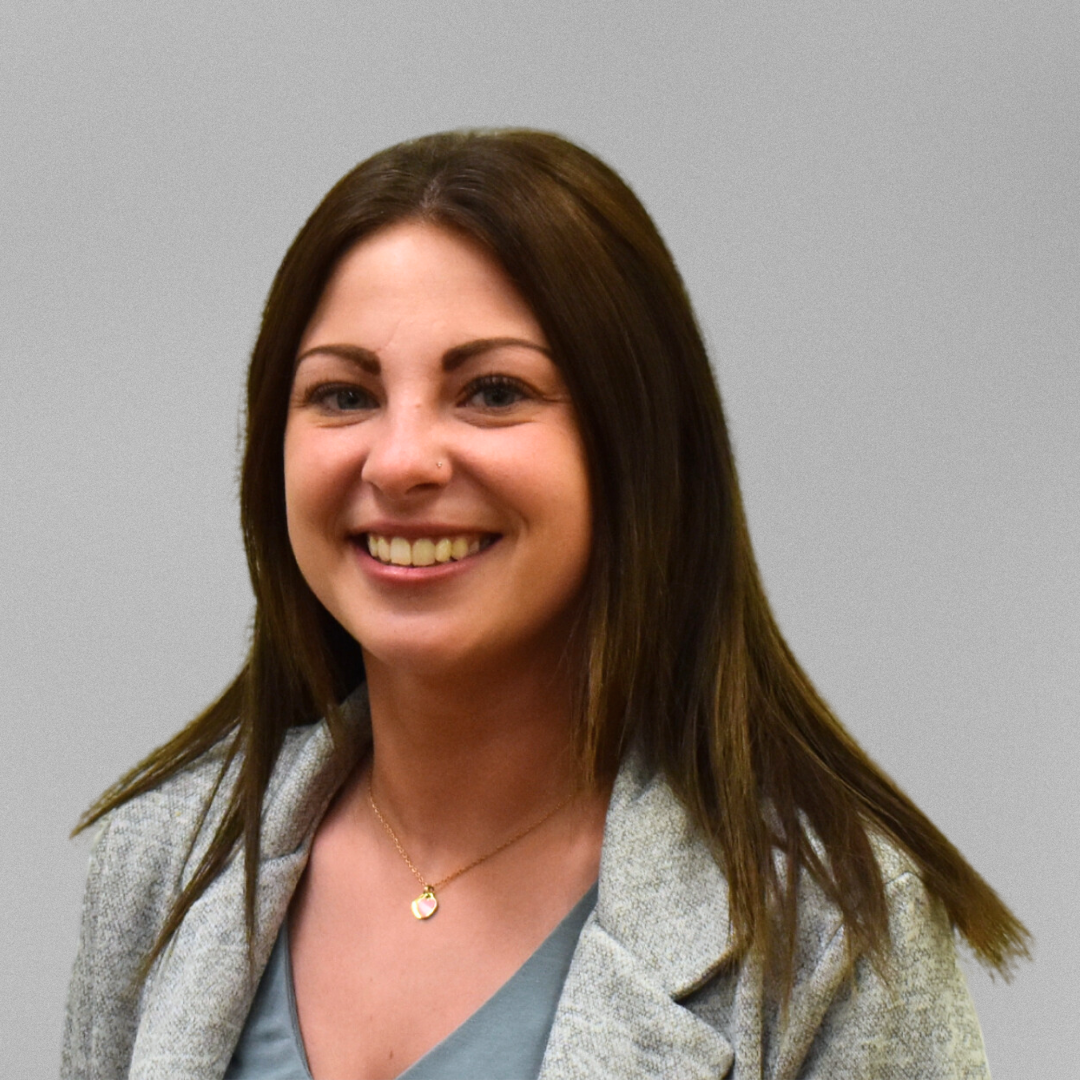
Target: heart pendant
425, 905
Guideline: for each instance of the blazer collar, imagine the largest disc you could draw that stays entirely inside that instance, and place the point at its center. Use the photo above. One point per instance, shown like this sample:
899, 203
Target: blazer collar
199, 992
660, 930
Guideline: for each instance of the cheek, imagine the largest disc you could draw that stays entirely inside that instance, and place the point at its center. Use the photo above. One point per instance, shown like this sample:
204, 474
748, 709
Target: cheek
546, 480
564, 504
314, 483
576, 495
580, 534
298, 518
579, 509
572, 507
297, 482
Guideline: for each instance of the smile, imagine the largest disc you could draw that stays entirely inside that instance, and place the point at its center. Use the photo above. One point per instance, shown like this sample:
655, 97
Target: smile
427, 551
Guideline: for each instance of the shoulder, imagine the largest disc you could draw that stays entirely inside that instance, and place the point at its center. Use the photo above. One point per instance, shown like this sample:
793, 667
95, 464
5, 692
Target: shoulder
139, 860
820, 921
146, 849
914, 915
158, 835
136, 861
909, 1014
140, 848
163, 819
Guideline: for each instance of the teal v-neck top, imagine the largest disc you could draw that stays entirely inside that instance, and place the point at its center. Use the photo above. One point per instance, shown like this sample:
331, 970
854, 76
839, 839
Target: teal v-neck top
503, 1040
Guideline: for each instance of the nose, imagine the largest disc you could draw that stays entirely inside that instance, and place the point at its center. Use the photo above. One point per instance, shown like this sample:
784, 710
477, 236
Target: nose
407, 455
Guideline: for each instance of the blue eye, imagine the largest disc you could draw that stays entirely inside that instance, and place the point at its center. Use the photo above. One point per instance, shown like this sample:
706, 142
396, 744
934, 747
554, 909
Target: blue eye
496, 392
348, 399
337, 398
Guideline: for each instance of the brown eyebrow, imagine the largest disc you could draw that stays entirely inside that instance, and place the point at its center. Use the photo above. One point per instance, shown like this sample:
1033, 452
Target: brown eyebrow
455, 357
452, 359
363, 358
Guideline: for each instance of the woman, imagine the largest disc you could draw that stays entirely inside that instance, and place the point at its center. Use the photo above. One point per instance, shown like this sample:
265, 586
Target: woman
574, 809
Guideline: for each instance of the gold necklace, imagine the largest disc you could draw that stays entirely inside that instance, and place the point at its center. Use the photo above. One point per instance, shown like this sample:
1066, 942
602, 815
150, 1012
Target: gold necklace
427, 903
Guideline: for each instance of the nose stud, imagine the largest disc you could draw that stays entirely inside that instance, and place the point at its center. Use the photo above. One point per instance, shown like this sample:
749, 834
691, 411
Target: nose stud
438, 464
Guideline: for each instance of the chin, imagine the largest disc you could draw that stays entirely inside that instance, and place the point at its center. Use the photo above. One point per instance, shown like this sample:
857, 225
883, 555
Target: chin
426, 655
453, 655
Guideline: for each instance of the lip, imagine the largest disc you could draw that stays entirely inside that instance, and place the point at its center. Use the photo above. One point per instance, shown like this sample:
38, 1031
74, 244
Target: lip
418, 530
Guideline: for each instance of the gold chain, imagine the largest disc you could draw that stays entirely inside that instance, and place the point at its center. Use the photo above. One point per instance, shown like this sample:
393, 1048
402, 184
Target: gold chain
429, 887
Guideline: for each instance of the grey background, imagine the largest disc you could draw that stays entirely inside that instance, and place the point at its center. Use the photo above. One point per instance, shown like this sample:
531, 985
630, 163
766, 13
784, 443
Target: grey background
874, 206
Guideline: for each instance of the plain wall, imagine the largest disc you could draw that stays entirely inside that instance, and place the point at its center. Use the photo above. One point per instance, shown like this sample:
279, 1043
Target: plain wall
875, 209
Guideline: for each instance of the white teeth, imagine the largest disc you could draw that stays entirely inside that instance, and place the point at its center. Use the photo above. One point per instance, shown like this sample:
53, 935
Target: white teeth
398, 551
423, 553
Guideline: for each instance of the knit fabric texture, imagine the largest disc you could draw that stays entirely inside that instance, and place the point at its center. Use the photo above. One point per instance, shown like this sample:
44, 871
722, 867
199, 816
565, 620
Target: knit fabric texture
653, 988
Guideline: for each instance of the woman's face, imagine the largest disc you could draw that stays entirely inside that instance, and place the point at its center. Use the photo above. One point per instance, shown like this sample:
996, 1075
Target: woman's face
435, 479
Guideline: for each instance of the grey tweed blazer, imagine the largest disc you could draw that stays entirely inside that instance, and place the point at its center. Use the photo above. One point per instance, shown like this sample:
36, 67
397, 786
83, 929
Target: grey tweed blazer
652, 990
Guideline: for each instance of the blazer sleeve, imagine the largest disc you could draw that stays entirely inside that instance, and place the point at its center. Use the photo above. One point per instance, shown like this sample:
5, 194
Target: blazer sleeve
100, 1022
917, 1021
84, 986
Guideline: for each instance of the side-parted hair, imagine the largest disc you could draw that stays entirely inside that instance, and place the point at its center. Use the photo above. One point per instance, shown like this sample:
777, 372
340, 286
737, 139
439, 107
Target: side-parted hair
682, 657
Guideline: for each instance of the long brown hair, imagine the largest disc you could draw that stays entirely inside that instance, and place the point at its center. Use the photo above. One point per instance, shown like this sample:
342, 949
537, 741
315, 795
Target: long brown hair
683, 658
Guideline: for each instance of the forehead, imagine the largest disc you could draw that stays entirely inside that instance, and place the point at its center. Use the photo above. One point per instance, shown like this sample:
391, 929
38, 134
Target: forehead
413, 281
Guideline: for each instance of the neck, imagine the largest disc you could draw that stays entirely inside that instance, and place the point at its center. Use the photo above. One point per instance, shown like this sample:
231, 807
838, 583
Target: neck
469, 757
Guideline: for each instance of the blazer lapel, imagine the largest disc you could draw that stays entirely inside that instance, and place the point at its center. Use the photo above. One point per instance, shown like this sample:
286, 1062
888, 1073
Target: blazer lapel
660, 931
198, 995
